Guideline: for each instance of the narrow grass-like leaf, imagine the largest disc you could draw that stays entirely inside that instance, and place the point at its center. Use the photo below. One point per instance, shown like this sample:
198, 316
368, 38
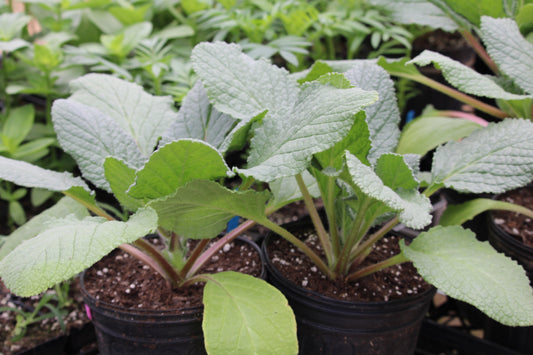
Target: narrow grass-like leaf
245, 315
455, 262
68, 247
493, 159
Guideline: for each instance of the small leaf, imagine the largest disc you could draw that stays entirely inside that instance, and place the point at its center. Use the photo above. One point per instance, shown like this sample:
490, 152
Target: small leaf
17, 126
245, 315
68, 247
453, 260
201, 209
174, 165
492, 159
16, 212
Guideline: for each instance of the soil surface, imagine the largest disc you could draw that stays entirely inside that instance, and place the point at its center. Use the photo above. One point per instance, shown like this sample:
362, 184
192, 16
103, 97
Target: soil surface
518, 225
392, 283
38, 333
122, 280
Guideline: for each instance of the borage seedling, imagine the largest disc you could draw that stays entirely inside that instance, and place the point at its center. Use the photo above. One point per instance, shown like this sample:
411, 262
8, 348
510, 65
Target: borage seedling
303, 148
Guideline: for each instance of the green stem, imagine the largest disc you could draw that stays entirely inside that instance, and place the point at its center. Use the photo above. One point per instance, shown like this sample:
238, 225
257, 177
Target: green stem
315, 218
93, 208
365, 247
332, 218
168, 272
397, 259
194, 256
480, 51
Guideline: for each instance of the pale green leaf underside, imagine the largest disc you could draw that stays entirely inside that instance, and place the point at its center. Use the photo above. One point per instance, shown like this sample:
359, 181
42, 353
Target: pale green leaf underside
64, 207
245, 315
382, 117
420, 12
68, 247
321, 117
201, 208
198, 119
412, 207
28, 175
90, 136
286, 190
464, 78
141, 115
453, 260
458, 214
175, 164
509, 49
13, 45
493, 159
428, 132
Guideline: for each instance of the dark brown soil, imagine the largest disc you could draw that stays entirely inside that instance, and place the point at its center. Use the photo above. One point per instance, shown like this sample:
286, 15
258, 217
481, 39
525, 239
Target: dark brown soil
391, 283
124, 281
516, 224
43, 331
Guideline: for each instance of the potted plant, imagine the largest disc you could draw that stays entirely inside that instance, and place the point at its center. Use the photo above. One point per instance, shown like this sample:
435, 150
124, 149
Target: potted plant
111, 128
302, 148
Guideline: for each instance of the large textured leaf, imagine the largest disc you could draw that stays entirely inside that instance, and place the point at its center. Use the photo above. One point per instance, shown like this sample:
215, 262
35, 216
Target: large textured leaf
240, 86
174, 165
201, 208
420, 12
322, 116
143, 116
90, 137
473, 10
425, 133
509, 49
198, 119
245, 315
455, 262
68, 247
64, 207
383, 117
412, 207
464, 78
28, 175
493, 159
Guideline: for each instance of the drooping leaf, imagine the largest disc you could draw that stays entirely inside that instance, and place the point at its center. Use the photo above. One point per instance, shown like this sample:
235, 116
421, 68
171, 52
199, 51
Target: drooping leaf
412, 207
465, 78
245, 315
68, 247
493, 159
201, 208
509, 49
141, 115
90, 136
453, 260
198, 119
425, 133
174, 165
383, 117
120, 177
64, 207
459, 214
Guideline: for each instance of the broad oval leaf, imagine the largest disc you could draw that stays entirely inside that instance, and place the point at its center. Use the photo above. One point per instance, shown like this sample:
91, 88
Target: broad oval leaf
492, 159
245, 315
68, 247
462, 267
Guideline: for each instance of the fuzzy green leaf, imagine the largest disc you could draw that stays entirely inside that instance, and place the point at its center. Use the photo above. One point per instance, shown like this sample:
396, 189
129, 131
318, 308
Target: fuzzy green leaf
459, 214
395, 173
453, 260
201, 208
245, 315
473, 10
425, 133
509, 49
413, 208
465, 78
382, 117
174, 165
143, 116
120, 177
90, 136
493, 159
67, 247
64, 207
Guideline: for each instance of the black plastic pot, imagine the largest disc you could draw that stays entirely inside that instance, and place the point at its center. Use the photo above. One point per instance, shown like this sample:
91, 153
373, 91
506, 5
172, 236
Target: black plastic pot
329, 326
517, 338
141, 332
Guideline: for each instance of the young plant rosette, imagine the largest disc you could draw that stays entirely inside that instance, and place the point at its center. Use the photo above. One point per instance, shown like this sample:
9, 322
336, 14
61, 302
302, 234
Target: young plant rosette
113, 130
